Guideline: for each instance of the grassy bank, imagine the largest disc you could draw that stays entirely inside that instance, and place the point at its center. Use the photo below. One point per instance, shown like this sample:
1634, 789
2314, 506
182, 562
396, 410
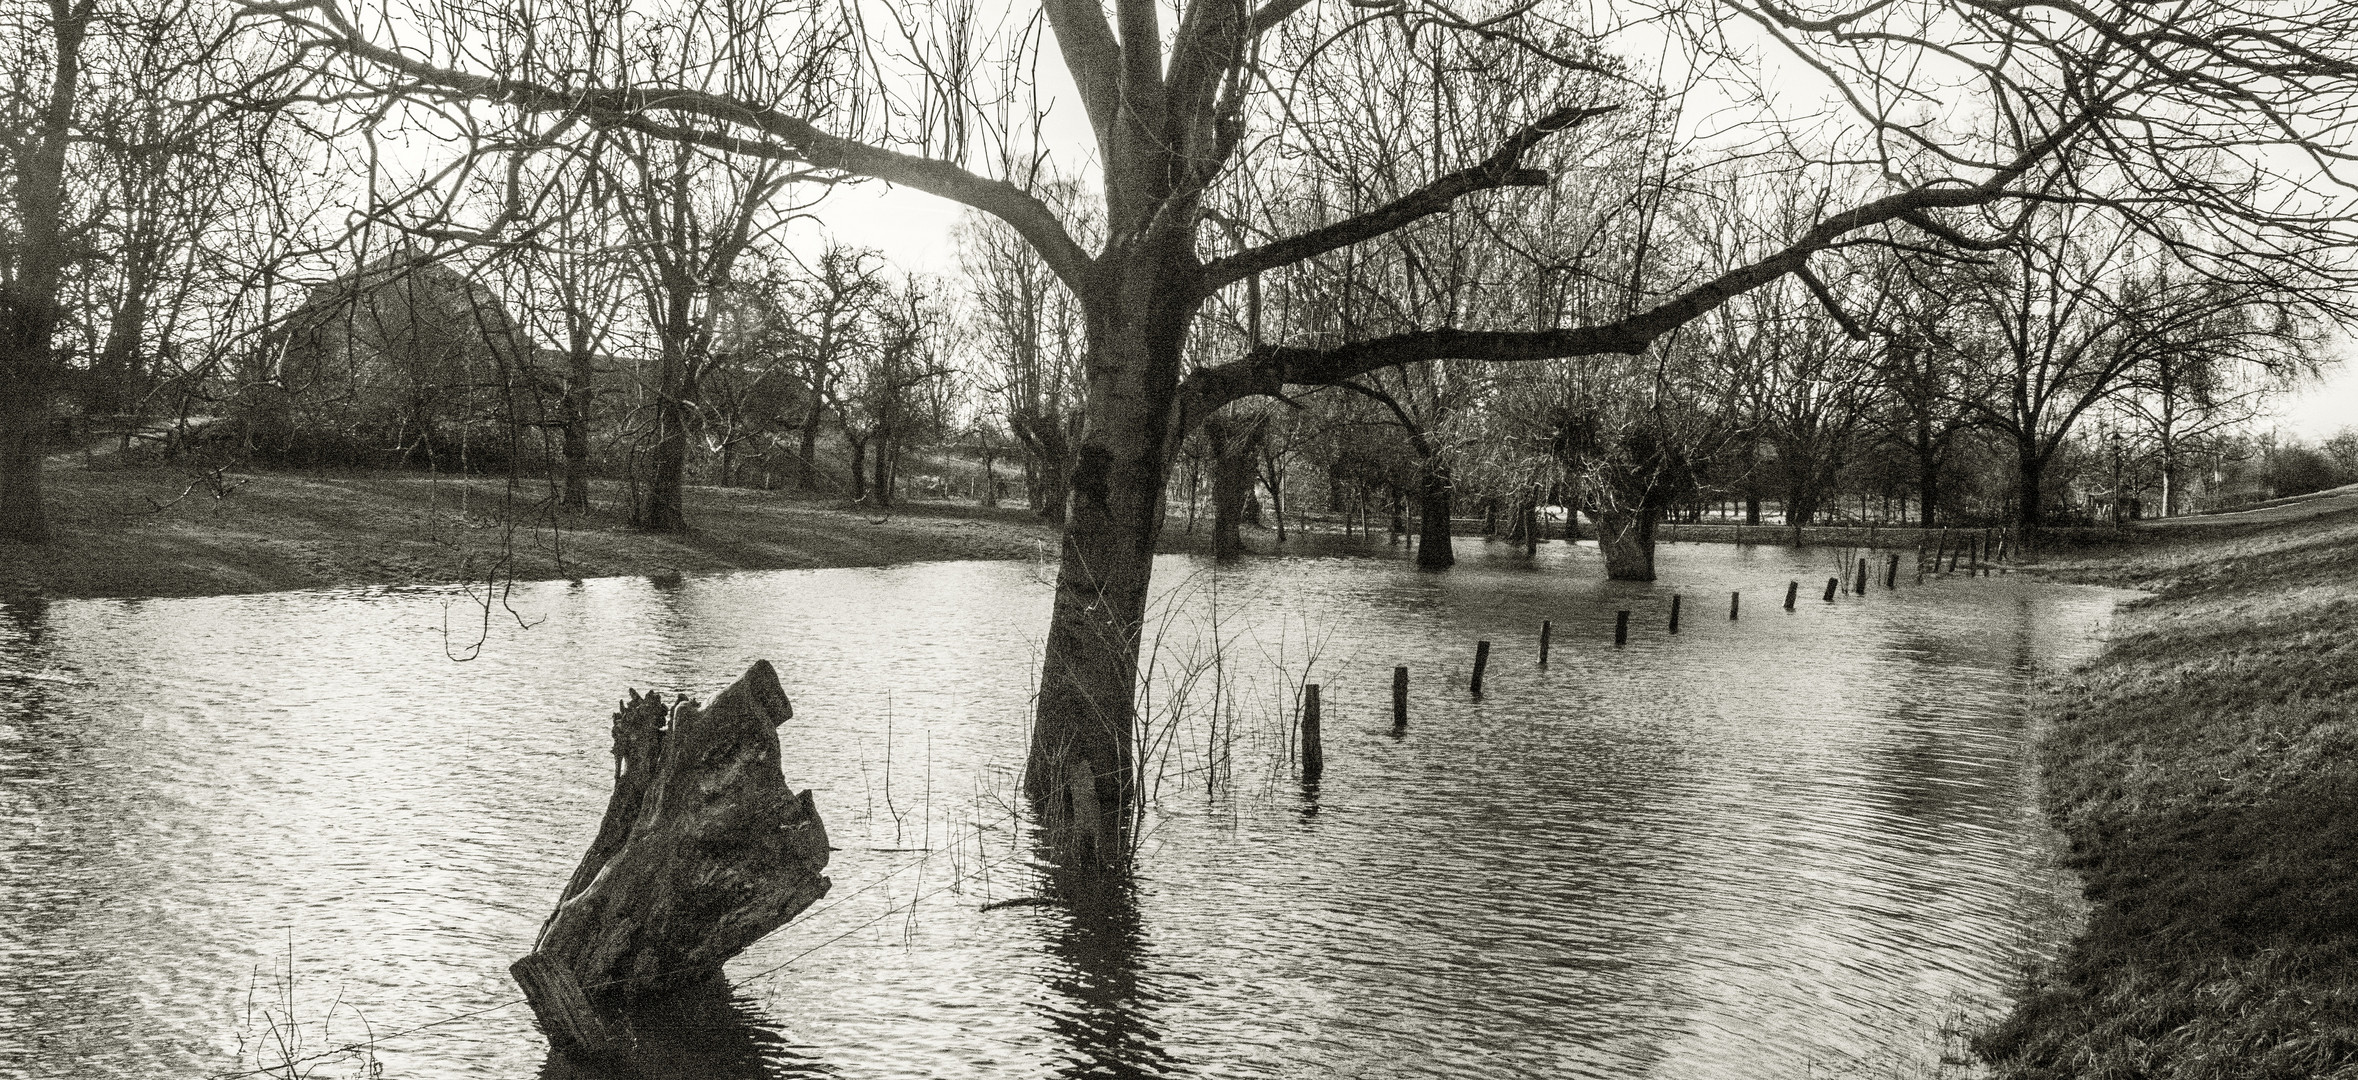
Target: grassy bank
152, 531
2205, 772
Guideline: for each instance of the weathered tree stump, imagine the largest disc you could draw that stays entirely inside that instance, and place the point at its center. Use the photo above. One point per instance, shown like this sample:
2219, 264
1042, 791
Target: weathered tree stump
703, 850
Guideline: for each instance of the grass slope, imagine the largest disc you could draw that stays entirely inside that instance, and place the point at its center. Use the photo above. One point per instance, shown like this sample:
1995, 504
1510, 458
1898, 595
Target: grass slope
2205, 772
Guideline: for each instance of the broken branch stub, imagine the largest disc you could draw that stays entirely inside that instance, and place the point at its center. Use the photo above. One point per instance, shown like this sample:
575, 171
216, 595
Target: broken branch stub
703, 850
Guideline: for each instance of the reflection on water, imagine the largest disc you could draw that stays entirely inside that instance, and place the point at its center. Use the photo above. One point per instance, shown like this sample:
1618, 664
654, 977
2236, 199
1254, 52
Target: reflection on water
1781, 846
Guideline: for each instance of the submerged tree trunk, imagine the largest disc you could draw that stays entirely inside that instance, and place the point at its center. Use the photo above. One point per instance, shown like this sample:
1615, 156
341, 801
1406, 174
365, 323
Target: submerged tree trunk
1080, 773
703, 850
1433, 550
1626, 537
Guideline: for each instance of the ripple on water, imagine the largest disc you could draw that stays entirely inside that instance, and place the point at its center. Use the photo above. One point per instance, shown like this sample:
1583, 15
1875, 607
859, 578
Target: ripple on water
1785, 843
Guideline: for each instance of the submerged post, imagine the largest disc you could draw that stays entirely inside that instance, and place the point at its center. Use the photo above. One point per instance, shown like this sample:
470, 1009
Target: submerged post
1891, 573
1792, 593
1674, 602
1621, 628
1313, 754
1400, 699
1734, 599
1862, 575
1831, 585
1481, 661
704, 849
1545, 628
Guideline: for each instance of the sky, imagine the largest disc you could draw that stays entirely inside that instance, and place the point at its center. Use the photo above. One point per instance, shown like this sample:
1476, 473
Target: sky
2316, 412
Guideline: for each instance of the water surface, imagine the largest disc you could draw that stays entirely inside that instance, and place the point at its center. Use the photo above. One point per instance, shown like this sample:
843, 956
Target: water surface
1787, 845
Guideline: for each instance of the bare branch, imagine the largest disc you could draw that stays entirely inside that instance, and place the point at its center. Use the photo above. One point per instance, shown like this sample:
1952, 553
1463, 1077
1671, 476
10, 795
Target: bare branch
1501, 169
794, 137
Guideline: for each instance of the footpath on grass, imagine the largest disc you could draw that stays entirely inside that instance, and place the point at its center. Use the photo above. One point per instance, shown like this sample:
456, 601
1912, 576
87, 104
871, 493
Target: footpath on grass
2205, 771
158, 531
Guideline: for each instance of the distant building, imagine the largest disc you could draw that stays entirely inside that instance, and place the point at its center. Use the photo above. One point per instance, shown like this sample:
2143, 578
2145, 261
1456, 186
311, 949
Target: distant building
403, 361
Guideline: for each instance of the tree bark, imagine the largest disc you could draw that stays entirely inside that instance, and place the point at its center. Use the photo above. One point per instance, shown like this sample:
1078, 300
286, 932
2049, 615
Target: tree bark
29, 365
1080, 773
1233, 447
703, 850
2030, 476
882, 487
578, 378
859, 466
1626, 537
1433, 550
665, 510
807, 455
1051, 459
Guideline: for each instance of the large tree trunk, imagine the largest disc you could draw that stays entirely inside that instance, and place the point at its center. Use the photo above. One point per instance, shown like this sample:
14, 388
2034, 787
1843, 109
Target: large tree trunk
665, 509
1233, 447
2030, 475
578, 376
859, 466
807, 455
29, 365
1050, 455
1626, 537
1081, 770
2169, 476
703, 850
990, 479
116, 375
1433, 550
24, 423
1927, 491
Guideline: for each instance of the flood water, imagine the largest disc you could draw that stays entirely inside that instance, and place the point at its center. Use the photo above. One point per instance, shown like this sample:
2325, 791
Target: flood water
244, 829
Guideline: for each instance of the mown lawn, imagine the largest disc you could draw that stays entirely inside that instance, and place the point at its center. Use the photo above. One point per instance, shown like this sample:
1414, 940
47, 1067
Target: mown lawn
2205, 771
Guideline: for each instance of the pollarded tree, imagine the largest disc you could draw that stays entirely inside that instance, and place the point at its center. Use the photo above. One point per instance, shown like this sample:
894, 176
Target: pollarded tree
2178, 107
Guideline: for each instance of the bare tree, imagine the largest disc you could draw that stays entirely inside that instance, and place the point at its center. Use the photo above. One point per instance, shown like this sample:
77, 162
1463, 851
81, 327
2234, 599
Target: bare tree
2179, 106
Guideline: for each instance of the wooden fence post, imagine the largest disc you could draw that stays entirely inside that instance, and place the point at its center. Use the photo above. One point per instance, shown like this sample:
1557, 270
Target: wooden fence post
1399, 699
1313, 753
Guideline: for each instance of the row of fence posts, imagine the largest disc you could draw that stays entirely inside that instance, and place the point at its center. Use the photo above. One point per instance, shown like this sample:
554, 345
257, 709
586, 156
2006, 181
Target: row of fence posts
1979, 554
1314, 754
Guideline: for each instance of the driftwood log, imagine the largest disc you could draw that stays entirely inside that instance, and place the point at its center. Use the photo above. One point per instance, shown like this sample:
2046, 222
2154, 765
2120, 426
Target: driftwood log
703, 850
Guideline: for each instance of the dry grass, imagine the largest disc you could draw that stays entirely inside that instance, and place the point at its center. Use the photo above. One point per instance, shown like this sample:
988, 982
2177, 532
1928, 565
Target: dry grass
2205, 771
